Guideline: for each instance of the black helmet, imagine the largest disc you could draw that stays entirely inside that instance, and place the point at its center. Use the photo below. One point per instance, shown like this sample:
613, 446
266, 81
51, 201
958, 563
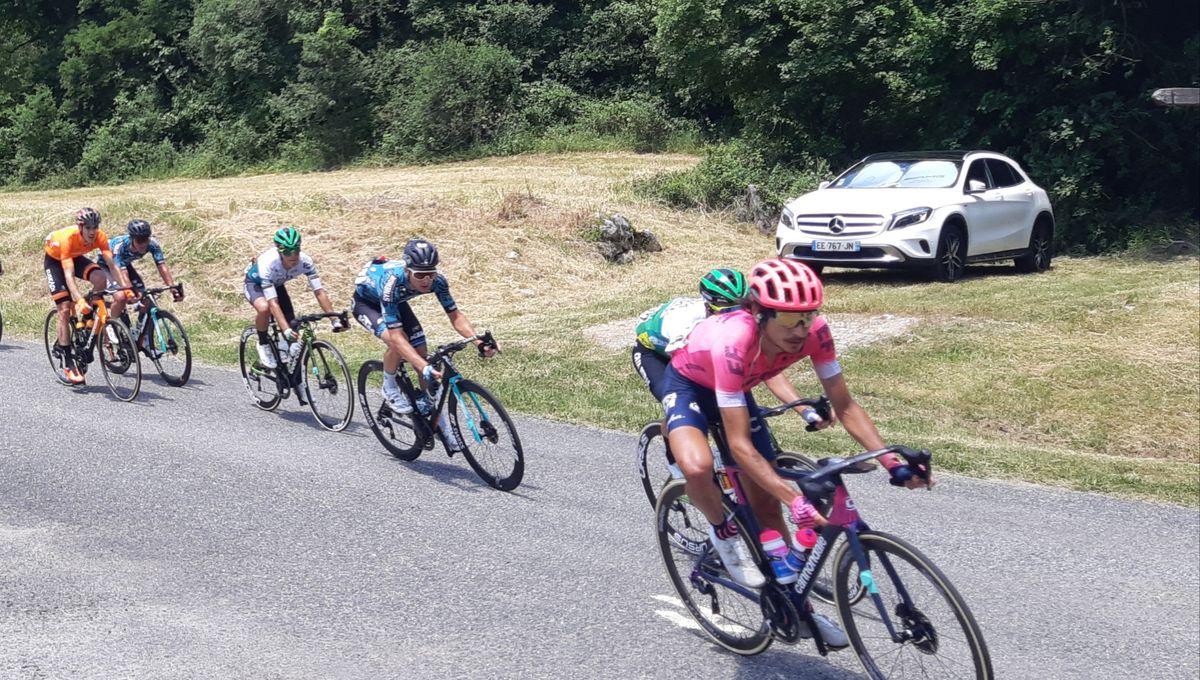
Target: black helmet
138, 229
88, 217
420, 256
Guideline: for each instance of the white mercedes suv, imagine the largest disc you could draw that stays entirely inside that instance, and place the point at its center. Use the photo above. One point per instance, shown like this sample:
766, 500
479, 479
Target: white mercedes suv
931, 210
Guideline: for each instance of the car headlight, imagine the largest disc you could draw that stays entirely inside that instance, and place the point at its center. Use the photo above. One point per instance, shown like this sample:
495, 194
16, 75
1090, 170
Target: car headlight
907, 218
787, 219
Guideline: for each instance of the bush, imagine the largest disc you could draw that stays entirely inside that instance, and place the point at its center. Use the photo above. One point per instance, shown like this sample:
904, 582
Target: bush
133, 142
723, 175
459, 98
38, 142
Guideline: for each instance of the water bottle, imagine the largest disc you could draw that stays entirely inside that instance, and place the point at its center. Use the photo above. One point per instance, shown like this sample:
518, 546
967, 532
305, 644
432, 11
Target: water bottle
805, 540
294, 351
282, 345
777, 552
424, 404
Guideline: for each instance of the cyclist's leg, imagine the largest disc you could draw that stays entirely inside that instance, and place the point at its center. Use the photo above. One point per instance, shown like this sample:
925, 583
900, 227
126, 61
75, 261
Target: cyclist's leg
767, 509
285, 303
61, 295
262, 310
687, 435
414, 335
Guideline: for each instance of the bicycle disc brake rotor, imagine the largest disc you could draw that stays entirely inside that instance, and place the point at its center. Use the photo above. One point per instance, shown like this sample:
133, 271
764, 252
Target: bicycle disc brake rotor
920, 630
777, 607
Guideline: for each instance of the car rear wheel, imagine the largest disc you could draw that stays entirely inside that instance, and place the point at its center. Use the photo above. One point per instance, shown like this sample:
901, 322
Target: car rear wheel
1041, 250
951, 259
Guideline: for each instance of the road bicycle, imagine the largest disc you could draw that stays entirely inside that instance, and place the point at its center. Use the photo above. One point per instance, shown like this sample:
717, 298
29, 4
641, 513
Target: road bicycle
92, 334
912, 623
311, 368
657, 468
161, 337
498, 459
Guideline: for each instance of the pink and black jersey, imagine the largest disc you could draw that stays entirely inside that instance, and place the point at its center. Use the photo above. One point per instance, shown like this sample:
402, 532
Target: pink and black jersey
723, 353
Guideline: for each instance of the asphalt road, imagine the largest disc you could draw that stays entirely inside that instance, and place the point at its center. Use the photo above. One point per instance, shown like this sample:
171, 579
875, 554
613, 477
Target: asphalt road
190, 535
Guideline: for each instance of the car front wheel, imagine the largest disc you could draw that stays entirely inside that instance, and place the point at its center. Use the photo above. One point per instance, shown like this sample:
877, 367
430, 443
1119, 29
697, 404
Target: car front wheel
1040, 251
951, 255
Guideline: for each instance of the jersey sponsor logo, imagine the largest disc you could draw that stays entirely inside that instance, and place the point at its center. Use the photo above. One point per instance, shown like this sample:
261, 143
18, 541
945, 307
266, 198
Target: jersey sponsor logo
677, 416
825, 339
669, 401
389, 288
733, 361
694, 406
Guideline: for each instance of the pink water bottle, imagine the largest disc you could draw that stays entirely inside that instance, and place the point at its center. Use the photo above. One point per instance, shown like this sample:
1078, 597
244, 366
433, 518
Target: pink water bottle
777, 552
805, 540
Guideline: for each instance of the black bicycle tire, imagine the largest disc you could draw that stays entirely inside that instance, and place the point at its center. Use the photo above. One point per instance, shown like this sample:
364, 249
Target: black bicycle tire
48, 329
514, 477
409, 453
756, 643
182, 379
898, 548
649, 432
125, 340
321, 346
249, 333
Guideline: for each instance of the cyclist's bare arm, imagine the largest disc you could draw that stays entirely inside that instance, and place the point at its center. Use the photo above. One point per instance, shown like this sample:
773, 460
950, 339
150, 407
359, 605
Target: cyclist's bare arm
737, 432
277, 313
398, 341
165, 273
785, 392
68, 267
323, 300
465, 328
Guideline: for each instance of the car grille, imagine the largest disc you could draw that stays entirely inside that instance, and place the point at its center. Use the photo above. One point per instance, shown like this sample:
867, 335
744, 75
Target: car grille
853, 225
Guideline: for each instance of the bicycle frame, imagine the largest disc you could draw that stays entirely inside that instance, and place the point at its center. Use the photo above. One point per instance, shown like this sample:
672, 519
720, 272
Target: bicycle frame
442, 359
292, 378
148, 316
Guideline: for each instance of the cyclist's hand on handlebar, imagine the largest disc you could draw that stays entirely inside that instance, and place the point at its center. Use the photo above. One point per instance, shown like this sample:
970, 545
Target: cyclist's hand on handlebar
904, 475
805, 515
337, 324
82, 307
814, 419
488, 350
177, 294
130, 294
290, 335
429, 373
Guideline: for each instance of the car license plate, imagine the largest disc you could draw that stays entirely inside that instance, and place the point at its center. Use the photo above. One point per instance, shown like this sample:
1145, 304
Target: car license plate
836, 246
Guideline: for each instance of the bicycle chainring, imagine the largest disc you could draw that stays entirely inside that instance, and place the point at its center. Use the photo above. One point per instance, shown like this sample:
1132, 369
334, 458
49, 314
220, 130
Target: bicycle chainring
777, 607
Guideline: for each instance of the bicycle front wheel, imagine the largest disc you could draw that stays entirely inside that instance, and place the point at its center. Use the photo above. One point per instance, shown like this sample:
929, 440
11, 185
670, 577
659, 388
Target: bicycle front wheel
169, 349
327, 384
939, 635
260, 382
490, 441
731, 618
120, 361
403, 436
50, 337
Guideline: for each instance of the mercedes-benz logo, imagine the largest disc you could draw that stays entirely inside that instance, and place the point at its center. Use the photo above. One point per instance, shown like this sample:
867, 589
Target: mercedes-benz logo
836, 225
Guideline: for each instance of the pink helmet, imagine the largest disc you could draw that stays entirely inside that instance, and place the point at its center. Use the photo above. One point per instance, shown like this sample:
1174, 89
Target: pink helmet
786, 286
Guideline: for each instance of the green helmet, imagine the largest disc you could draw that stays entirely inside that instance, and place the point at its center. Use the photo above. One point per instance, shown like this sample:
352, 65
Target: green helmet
723, 287
287, 239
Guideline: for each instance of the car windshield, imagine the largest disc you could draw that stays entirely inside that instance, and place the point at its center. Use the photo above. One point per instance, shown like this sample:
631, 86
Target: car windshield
903, 174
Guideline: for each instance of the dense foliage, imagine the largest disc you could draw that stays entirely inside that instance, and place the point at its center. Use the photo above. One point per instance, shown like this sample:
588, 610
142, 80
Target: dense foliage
106, 90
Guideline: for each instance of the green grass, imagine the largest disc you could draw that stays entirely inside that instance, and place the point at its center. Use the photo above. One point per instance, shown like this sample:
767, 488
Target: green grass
1086, 377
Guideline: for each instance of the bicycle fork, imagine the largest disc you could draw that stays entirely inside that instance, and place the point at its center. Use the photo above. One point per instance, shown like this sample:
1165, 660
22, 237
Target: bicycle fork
866, 577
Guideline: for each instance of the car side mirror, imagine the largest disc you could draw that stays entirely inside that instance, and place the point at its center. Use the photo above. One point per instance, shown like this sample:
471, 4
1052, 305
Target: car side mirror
975, 186
822, 185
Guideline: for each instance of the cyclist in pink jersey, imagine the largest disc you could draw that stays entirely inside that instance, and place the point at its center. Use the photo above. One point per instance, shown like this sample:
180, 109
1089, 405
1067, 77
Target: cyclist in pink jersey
711, 377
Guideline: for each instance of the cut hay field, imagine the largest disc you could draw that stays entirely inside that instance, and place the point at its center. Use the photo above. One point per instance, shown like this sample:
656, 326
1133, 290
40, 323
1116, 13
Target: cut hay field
1086, 377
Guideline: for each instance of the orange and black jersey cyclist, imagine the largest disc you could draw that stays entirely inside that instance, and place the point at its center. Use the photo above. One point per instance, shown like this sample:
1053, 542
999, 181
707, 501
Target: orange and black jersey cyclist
67, 245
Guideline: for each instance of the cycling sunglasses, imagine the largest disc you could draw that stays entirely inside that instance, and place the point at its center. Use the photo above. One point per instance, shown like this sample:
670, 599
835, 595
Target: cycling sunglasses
423, 275
792, 319
288, 251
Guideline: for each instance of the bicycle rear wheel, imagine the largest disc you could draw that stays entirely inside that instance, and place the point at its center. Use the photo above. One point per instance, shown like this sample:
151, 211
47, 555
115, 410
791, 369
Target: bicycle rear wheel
50, 337
490, 441
731, 618
942, 639
259, 381
169, 349
403, 436
120, 361
327, 384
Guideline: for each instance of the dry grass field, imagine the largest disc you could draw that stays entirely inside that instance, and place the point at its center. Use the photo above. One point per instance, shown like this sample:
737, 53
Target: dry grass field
1086, 377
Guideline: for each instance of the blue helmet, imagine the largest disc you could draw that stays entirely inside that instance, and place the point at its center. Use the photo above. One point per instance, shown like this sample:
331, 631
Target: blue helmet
420, 256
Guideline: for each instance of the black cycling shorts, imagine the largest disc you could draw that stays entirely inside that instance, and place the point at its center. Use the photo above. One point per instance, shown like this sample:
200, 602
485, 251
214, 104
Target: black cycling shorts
370, 317
56, 278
